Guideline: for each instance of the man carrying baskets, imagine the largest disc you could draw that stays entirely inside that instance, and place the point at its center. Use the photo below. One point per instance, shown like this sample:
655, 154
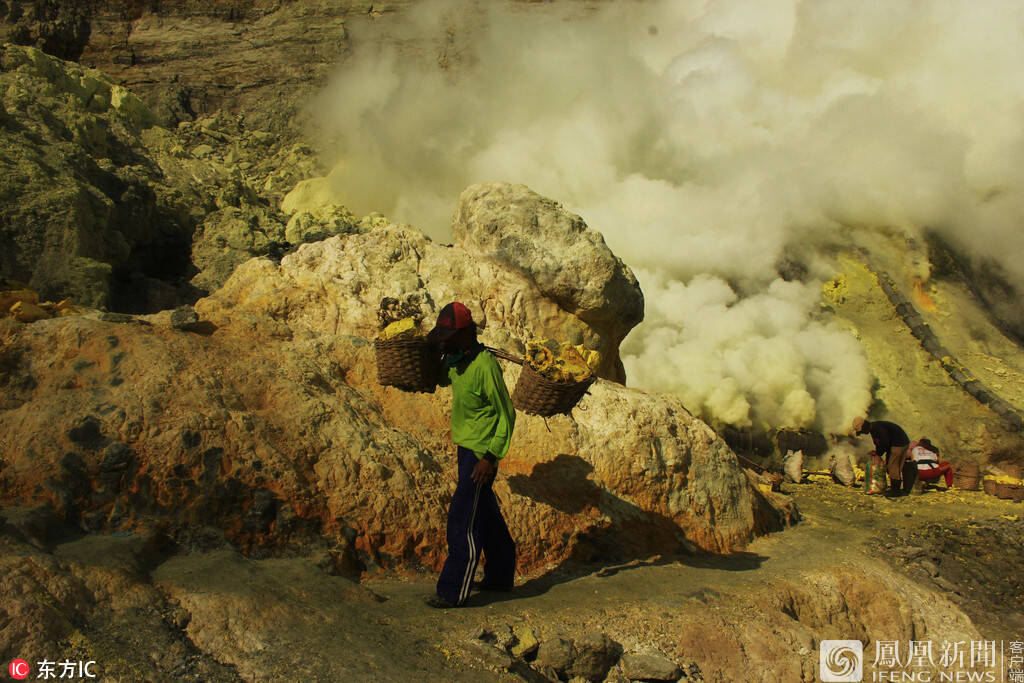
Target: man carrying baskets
482, 421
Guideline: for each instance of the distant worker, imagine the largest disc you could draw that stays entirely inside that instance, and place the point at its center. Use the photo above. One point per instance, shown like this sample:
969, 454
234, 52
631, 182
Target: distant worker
482, 421
925, 456
891, 445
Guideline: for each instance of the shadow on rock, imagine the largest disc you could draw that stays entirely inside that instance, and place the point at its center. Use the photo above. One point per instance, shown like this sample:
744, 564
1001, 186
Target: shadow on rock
629, 538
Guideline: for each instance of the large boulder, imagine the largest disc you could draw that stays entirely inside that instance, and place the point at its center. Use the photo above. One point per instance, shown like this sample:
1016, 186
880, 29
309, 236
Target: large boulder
519, 230
338, 284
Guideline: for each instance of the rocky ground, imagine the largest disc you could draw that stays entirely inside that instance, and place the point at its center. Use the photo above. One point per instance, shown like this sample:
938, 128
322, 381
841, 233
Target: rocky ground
226, 493
938, 566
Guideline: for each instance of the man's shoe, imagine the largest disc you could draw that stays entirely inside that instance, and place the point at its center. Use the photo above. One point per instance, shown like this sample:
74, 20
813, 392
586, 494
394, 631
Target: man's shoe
436, 601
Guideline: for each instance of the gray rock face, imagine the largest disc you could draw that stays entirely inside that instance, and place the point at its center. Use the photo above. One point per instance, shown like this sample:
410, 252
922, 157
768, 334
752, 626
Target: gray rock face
230, 236
58, 28
273, 54
519, 229
650, 668
85, 205
102, 205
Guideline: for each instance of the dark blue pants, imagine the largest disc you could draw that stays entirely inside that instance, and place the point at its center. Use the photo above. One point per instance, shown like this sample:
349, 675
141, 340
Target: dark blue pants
475, 526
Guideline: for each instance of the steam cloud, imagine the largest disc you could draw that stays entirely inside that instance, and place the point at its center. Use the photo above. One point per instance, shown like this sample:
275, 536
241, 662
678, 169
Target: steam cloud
705, 140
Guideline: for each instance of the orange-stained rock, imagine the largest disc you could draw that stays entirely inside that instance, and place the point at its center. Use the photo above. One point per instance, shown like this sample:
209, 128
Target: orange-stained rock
273, 434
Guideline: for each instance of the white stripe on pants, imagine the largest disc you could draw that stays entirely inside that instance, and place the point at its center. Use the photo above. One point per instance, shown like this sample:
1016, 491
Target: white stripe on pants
467, 580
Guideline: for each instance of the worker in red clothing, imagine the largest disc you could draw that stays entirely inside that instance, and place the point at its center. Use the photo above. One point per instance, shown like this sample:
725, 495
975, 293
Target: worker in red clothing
482, 421
925, 456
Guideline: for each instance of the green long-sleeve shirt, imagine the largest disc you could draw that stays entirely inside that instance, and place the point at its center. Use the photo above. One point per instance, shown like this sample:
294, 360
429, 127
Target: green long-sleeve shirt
482, 413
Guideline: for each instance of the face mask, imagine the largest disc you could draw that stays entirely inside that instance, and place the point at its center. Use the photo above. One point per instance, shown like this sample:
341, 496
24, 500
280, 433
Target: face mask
453, 358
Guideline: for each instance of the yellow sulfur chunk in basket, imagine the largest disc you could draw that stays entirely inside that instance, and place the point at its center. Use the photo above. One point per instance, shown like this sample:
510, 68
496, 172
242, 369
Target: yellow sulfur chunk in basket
401, 329
561, 362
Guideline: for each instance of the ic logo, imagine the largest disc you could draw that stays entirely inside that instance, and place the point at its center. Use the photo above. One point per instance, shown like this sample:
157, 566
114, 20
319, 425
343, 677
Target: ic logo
841, 661
18, 669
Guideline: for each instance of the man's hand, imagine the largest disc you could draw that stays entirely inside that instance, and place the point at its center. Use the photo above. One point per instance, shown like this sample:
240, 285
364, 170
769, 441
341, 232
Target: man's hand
484, 470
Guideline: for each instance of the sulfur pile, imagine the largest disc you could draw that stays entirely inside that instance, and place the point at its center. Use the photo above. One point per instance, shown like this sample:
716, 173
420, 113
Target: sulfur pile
1003, 479
21, 303
561, 362
399, 320
406, 328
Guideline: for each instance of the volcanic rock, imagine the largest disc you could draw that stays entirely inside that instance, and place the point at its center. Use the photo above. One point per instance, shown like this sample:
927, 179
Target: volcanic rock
106, 207
489, 654
264, 58
640, 667
568, 263
555, 653
526, 643
593, 656
300, 445
58, 28
84, 196
184, 318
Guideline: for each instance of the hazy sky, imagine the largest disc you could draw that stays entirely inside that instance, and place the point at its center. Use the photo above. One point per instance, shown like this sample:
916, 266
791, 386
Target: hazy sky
704, 139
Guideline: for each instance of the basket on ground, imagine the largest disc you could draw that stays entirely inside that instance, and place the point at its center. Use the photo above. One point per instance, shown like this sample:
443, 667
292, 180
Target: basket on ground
537, 395
966, 477
1009, 491
990, 486
1013, 471
406, 364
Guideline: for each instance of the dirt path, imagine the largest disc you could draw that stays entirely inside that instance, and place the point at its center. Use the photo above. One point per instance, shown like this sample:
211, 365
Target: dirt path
942, 566
654, 605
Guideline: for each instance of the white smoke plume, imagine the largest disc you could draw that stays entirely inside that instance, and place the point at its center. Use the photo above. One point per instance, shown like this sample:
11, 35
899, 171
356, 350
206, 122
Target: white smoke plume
703, 140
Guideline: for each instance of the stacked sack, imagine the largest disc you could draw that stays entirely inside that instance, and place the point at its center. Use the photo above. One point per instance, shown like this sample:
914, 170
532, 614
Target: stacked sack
562, 361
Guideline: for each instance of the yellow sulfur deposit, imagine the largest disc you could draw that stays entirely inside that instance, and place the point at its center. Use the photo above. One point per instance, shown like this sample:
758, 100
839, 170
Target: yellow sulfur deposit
22, 304
402, 329
540, 354
1003, 479
561, 362
63, 308
26, 312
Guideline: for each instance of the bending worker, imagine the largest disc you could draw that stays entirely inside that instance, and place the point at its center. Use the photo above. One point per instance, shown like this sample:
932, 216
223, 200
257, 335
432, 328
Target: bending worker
890, 443
926, 457
482, 422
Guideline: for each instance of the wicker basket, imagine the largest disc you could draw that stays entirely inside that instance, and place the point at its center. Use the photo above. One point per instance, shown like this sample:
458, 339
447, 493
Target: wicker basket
969, 469
406, 364
1015, 471
537, 395
1010, 491
990, 486
965, 482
